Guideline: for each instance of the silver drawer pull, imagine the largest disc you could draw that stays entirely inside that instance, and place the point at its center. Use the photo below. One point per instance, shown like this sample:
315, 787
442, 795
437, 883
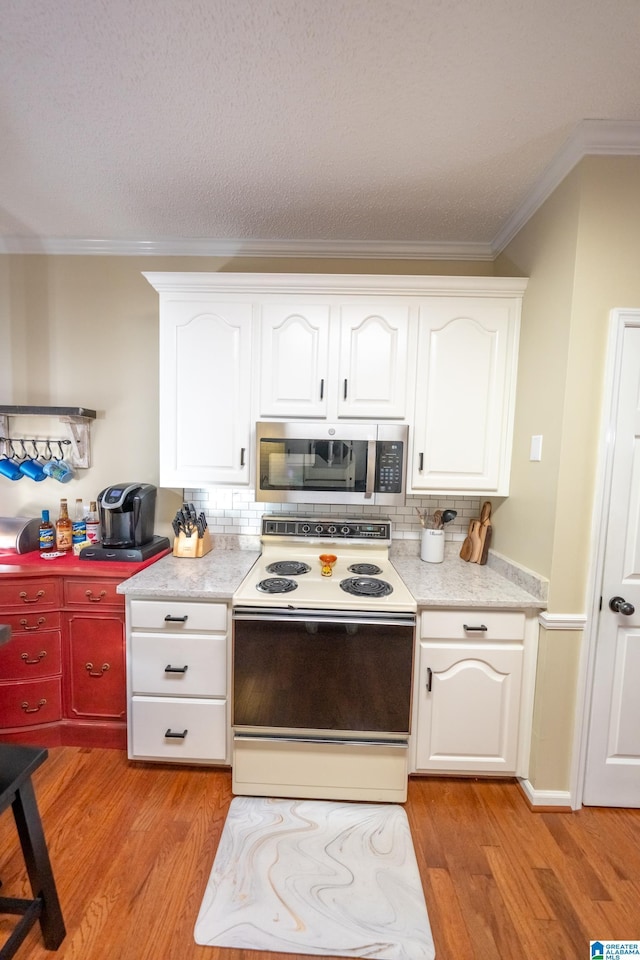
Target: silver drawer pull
170, 619
175, 736
476, 629
170, 669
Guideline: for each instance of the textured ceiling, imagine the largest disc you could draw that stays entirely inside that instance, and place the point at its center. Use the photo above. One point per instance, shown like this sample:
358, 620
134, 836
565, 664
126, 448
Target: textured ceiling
424, 122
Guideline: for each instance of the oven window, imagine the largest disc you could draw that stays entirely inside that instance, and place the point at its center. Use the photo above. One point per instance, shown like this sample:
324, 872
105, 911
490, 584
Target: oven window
323, 676
313, 464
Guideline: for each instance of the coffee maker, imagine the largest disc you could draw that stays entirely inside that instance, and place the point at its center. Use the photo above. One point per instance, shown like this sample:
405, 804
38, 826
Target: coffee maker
127, 512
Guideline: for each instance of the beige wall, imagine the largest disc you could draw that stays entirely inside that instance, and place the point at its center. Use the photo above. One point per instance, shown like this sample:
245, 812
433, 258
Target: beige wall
580, 252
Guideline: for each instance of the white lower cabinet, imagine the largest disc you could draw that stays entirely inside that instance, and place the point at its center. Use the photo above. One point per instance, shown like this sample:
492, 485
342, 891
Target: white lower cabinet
177, 681
468, 696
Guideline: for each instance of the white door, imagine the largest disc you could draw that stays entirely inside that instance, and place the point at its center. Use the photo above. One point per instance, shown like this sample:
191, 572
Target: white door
613, 751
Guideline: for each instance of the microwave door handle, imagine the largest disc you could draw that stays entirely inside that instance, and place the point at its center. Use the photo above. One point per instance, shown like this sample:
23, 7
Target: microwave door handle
371, 469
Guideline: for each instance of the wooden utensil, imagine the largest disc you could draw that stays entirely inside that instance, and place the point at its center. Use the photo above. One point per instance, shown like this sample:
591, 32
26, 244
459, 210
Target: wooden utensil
467, 546
484, 532
476, 549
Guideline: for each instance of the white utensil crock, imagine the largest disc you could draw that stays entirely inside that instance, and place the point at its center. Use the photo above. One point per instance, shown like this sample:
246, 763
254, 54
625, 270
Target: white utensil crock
432, 546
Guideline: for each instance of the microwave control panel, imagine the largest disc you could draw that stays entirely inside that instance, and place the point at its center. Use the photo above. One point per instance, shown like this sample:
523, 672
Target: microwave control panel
389, 466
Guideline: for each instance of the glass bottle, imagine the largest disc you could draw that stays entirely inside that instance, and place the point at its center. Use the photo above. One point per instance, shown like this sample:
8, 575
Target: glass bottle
64, 528
94, 533
79, 529
47, 534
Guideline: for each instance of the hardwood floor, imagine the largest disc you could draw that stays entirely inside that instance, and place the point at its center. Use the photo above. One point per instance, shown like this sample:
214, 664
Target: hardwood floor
132, 847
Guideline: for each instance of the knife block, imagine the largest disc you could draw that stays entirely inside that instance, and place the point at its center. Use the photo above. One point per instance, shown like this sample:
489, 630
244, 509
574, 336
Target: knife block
193, 546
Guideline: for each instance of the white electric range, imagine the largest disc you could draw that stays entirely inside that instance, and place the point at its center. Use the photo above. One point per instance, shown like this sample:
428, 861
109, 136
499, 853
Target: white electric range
323, 652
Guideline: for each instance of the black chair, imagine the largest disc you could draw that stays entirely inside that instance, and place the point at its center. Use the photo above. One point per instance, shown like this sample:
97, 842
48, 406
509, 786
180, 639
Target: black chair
17, 764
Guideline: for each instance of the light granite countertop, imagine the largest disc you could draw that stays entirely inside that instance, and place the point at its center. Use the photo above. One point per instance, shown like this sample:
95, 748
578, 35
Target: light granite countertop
215, 576
452, 583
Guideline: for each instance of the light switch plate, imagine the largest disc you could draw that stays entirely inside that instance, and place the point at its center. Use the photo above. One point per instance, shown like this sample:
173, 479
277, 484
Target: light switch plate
536, 448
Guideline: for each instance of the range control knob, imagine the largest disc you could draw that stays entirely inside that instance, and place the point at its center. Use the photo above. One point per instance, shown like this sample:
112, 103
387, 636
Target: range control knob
331, 529
319, 528
344, 530
305, 528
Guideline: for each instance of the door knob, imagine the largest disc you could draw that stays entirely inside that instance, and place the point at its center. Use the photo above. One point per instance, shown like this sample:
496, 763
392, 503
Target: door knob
620, 605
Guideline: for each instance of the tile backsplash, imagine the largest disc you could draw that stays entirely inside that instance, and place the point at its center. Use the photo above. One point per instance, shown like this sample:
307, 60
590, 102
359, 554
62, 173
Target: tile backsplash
235, 511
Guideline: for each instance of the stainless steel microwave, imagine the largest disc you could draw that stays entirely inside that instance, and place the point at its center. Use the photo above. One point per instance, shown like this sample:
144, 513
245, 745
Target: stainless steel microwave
303, 462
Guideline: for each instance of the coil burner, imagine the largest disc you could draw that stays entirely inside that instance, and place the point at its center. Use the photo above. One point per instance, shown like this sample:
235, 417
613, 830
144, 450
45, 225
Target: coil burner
276, 585
365, 569
289, 568
366, 587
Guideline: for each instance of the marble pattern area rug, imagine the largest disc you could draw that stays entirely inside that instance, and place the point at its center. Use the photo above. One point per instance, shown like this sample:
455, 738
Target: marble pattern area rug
316, 877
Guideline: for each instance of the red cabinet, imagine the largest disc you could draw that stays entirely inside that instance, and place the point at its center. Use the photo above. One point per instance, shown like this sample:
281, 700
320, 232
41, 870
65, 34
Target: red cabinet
62, 673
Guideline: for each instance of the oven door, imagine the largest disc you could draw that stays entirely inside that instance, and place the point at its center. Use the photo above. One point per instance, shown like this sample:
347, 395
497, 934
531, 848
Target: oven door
316, 675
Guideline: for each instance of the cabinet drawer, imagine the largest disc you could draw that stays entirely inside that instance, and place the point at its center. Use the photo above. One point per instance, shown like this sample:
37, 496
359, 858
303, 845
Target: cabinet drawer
179, 666
34, 701
92, 593
203, 723
184, 615
26, 657
459, 624
32, 621
30, 594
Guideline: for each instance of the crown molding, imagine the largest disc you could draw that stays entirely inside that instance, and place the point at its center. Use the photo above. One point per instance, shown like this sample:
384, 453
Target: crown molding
591, 138
296, 249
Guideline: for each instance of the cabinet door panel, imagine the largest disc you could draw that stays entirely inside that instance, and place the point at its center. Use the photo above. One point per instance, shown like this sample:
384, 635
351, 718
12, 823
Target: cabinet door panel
373, 360
293, 380
205, 362
464, 395
95, 686
468, 720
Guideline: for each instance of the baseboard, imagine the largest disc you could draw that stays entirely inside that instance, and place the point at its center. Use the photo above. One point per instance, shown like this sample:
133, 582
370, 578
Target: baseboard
542, 801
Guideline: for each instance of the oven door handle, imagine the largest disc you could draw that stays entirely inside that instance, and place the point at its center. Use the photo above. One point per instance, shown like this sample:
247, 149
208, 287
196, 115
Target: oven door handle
371, 469
278, 615
294, 738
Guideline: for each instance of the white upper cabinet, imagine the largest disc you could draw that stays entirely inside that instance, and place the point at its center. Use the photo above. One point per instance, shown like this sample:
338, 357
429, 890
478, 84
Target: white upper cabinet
372, 360
205, 387
334, 360
294, 360
465, 394
437, 352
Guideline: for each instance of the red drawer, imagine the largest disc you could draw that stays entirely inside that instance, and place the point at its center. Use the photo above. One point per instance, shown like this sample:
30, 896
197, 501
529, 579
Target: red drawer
92, 594
32, 621
30, 702
30, 594
27, 656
